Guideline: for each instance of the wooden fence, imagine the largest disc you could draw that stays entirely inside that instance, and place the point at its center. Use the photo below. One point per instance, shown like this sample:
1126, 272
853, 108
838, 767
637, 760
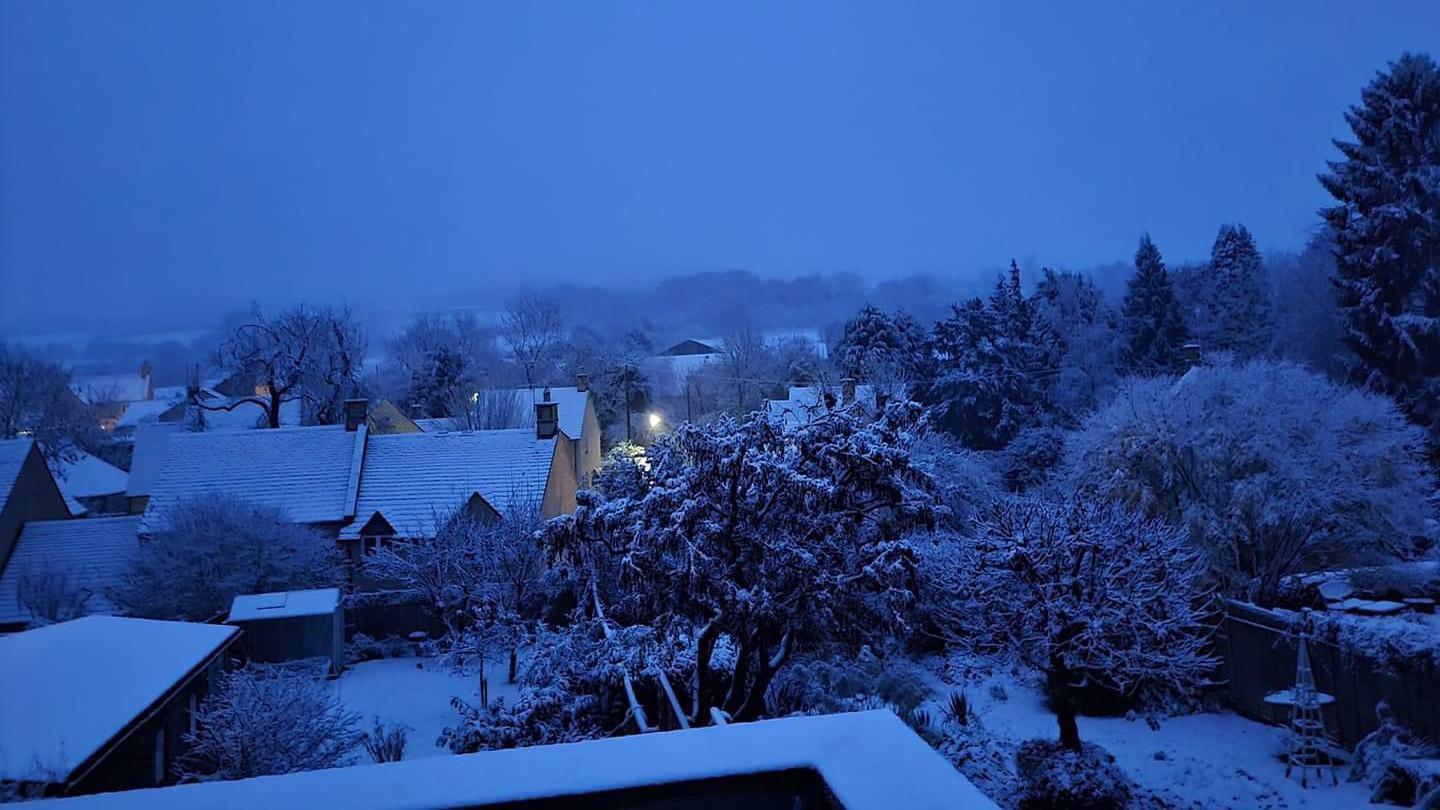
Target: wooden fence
1259, 650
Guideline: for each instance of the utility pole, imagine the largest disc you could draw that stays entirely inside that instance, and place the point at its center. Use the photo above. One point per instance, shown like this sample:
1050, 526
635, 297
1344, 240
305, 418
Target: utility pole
627, 405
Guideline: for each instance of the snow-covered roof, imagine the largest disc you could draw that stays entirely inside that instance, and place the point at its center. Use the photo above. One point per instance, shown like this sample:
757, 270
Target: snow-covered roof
247, 415
145, 410
571, 402
13, 453
148, 455
88, 477
99, 388
304, 471
413, 478
804, 402
84, 681
867, 760
90, 554
284, 604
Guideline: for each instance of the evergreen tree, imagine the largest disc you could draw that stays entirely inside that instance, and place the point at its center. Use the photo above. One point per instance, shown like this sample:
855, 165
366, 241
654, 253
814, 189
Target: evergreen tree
1012, 312
1077, 335
1240, 316
1154, 326
880, 347
1387, 237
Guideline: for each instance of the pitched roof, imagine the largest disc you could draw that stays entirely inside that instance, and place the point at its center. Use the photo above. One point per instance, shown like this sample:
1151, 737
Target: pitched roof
304, 471
56, 713
284, 604
804, 402
414, 478
95, 389
248, 415
88, 477
571, 402
90, 554
145, 410
13, 453
149, 453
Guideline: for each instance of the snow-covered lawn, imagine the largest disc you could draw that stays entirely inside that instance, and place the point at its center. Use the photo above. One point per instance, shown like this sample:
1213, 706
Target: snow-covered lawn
1209, 760
415, 692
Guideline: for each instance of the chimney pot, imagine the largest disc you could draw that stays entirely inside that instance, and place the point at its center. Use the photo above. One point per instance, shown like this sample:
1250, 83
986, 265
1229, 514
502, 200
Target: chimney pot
355, 413
545, 395
1190, 353
847, 388
582, 382
547, 418
145, 368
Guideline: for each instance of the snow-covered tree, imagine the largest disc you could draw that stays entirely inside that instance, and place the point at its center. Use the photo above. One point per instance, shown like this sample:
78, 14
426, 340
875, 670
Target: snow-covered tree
435, 362
263, 720
1386, 226
1308, 328
1239, 314
211, 549
308, 354
770, 540
1154, 325
531, 326
878, 347
1087, 592
1079, 333
989, 378
1270, 467
479, 575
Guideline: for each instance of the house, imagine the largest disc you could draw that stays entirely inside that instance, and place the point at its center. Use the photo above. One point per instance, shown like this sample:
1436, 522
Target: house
575, 405
27, 492
95, 486
860, 761
112, 394
362, 488
65, 568
803, 403
291, 626
103, 703
670, 371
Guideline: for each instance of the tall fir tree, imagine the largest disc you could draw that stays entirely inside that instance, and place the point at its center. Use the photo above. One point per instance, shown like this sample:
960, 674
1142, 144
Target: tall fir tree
1239, 313
1386, 229
1154, 326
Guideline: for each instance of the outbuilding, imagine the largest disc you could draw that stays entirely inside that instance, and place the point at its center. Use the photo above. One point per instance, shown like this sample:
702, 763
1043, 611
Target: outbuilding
291, 626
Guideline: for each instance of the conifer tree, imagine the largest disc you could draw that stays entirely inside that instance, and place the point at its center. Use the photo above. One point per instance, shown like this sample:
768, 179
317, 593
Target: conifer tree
1386, 227
1240, 316
1154, 326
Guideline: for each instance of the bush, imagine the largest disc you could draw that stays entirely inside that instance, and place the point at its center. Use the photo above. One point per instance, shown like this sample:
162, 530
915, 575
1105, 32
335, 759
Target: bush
1397, 581
386, 741
1379, 758
1031, 458
1053, 777
825, 686
365, 648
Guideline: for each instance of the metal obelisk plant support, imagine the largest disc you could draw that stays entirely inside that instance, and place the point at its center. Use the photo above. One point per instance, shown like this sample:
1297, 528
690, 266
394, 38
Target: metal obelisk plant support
1309, 747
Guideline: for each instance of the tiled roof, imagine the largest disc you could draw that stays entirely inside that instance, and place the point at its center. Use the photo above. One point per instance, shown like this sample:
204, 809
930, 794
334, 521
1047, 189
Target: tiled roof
149, 453
571, 401
413, 478
112, 388
305, 471
91, 554
13, 453
88, 477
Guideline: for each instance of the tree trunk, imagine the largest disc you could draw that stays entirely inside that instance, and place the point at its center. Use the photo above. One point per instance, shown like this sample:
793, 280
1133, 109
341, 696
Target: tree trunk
704, 648
514, 663
739, 677
1058, 679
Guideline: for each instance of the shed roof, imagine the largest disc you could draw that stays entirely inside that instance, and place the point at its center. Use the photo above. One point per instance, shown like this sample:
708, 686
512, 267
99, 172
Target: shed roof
13, 453
414, 478
91, 554
304, 471
284, 604
88, 477
55, 713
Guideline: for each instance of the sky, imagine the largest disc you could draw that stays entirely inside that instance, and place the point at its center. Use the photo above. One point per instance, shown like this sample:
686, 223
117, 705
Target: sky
162, 161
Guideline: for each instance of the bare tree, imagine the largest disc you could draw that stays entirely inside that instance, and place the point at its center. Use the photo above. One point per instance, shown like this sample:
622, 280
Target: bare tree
308, 354
531, 325
36, 401
51, 595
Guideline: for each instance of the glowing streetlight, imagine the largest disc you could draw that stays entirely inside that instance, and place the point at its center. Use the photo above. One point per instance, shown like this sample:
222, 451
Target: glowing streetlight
654, 420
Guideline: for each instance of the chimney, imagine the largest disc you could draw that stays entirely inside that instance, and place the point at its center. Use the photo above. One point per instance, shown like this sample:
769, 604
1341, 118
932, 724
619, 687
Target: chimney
145, 369
582, 382
882, 398
847, 390
355, 413
547, 418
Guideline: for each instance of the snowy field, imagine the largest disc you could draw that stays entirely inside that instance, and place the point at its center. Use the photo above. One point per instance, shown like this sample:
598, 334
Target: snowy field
415, 692
1196, 761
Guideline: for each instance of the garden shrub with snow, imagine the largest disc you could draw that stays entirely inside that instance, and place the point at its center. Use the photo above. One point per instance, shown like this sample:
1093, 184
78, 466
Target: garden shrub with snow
1055, 777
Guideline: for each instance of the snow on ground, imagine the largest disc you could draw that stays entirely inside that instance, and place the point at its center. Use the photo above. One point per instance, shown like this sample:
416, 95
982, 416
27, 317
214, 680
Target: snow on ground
416, 692
1210, 760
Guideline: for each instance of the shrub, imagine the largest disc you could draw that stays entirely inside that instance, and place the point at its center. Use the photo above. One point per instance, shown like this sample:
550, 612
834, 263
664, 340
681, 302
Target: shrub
828, 686
386, 741
1053, 777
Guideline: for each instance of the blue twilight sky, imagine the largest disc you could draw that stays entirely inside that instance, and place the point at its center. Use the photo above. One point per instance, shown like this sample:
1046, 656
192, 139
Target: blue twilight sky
163, 160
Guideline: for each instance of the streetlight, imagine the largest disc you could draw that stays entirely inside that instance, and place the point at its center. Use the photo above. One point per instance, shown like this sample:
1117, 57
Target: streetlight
654, 420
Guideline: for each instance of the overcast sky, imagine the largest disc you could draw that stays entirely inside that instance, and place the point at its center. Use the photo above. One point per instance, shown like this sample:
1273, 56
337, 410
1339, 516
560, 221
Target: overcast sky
165, 159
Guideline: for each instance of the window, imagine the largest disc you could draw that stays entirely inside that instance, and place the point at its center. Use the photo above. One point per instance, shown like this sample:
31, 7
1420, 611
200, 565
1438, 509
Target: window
160, 756
369, 545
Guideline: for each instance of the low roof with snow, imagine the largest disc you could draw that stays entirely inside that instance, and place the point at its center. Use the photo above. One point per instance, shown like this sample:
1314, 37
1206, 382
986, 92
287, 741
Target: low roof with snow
148, 455
85, 681
91, 555
867, 760
284, 604
88, 477
306, 472
805, 402
571, 404
13, 453
96, 389
413, 479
